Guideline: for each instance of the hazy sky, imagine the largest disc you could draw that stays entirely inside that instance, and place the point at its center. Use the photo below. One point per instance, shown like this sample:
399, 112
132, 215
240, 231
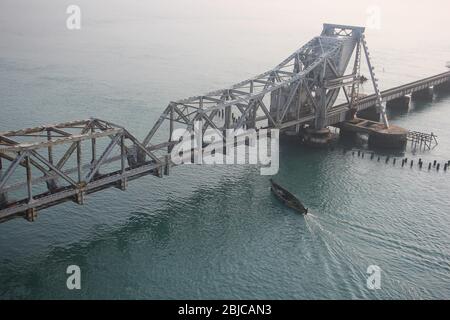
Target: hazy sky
398, 18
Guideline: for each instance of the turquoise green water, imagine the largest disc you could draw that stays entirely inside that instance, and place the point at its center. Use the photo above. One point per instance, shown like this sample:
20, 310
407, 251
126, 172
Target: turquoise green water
217, 232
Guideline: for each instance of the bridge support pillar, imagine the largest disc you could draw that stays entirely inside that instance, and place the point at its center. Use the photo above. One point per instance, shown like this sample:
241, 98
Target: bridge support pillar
167, 165
388, 139
79, 197
123, 184
317, 137
424, 94
31, 214
380, 137
402, 103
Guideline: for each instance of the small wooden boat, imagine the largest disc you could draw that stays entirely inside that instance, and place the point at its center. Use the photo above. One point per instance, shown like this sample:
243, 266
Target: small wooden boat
287, 198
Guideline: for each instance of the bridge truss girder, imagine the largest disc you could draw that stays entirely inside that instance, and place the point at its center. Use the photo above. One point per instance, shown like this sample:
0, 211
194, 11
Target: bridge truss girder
57, 182
309, 80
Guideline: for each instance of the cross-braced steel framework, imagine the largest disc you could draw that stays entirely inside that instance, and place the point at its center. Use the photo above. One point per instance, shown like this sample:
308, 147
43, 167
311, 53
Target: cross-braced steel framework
59, 182
300, 90
304, 86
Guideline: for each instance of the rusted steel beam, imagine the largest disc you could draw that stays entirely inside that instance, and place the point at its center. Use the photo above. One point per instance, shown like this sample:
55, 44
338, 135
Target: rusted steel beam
73, 138
43, 128
11, 169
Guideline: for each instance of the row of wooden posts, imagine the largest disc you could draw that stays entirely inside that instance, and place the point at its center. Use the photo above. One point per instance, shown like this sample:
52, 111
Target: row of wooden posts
404, 161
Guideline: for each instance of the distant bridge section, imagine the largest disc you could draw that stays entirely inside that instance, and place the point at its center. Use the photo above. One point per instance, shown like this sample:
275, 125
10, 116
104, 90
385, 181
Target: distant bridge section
440, 80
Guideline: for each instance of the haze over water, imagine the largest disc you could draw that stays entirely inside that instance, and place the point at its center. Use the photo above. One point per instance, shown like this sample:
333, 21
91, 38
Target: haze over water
217, 232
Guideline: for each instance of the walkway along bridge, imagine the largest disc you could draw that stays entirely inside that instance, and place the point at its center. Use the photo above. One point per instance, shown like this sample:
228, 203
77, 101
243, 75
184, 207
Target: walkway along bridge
47, 165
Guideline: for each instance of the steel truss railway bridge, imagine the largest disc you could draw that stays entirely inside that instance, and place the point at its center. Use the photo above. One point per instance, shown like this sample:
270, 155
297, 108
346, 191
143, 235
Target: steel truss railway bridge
47, 165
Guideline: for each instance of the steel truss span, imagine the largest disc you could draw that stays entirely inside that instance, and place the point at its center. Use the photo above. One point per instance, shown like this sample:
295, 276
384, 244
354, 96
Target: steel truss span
44, 166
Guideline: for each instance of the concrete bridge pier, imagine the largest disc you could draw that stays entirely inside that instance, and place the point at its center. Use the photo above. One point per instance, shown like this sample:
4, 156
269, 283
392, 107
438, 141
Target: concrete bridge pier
31, 214
424, 94
392, 138
317, 137
402, 103
380, 137
314, 137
